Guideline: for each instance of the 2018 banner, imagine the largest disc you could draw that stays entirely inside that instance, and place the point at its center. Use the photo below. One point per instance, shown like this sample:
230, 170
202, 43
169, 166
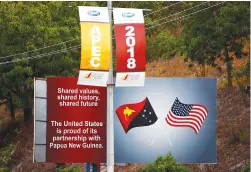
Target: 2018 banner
130, 46
95, 46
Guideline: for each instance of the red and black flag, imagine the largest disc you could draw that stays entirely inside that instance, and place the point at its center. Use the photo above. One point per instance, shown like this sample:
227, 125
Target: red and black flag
136, 115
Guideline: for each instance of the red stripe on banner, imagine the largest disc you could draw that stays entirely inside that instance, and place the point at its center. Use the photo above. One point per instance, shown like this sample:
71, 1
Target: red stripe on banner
130, 47
182, 125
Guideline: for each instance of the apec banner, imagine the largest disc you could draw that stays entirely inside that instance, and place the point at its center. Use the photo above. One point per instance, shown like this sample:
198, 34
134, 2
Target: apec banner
70, 121
130, 46
167, 115
95, 46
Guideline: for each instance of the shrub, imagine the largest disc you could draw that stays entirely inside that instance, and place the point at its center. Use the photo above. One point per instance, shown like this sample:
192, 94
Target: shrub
233, 139
244, 136
6, 154
1, 118
240, 136
5, 169
20, 117
246, 168
165, 164
69, 169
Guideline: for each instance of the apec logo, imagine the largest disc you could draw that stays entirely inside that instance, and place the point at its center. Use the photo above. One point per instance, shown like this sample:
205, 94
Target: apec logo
93, 13
128, 15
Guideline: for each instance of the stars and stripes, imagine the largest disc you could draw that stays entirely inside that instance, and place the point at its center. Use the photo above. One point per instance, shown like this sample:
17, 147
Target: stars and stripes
187, 115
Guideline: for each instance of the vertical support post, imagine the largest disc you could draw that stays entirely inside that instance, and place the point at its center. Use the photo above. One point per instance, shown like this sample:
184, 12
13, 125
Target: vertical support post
110, 125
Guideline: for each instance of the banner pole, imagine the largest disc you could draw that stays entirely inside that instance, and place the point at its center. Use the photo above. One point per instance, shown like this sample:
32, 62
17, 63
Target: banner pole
110, 124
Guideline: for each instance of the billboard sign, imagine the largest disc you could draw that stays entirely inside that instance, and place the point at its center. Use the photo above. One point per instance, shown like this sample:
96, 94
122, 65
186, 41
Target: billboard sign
74, 126
176, 115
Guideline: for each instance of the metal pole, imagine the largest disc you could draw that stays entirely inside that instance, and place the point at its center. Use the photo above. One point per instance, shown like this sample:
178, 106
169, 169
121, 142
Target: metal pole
110, 125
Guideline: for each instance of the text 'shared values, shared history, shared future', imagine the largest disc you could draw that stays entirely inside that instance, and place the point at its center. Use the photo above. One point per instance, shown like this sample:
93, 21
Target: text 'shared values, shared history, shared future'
76, 121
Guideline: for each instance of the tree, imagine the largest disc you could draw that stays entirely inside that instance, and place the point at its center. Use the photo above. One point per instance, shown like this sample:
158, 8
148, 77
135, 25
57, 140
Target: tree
233, 23
5, 94
163, 164
164, 28
216, 32
164, 45
45, 23
199, 39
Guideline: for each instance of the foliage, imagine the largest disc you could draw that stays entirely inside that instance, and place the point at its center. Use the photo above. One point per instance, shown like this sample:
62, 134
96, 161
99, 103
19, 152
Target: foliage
242, 77
244, 71
163, 164
4, 169
6, 154
69, 169
214, 33
164, 46
45, 23
20, 117
246, 168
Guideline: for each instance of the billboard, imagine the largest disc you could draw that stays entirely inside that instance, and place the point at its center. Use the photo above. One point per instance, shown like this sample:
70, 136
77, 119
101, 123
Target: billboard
70, 121
176, 115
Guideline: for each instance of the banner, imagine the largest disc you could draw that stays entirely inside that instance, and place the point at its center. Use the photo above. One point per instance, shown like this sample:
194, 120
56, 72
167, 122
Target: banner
167, 115
95, 46
130, 46
70, 121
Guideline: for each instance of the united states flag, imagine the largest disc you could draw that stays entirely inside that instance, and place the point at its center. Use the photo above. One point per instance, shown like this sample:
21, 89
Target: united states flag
187, 115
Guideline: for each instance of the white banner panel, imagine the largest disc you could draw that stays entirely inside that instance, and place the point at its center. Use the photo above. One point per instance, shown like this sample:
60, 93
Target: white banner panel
95, 78
132, 79
128, 15
93, 14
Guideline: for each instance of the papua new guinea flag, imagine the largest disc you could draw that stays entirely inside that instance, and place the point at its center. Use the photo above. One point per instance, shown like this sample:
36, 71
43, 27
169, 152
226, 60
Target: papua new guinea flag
136, 115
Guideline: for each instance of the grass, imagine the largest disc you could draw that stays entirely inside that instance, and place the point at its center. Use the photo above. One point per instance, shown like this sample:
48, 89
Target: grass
176, 67
6, 154
69, 169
